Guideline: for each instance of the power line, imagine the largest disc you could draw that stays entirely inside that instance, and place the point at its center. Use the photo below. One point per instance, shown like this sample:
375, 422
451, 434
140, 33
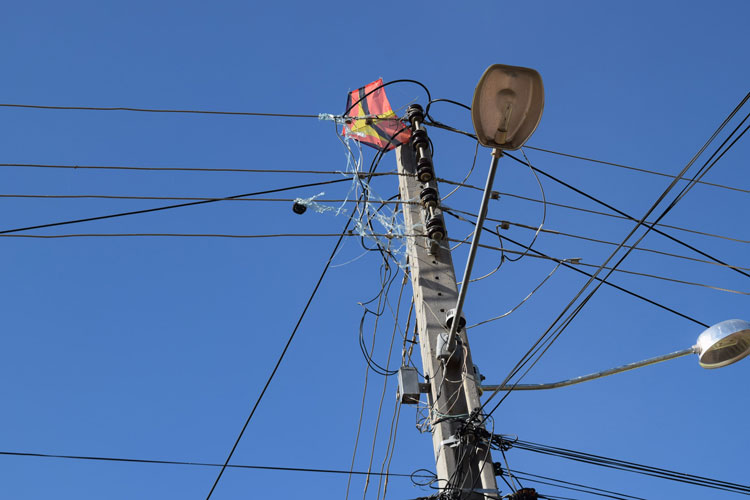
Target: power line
291, 171
572, 488
538, 349
281, 356
532, 476
568, 155
606, 242
169, 207
318, 116
183, 198
629, 167
623, 465
649, 225
330, 235
557, 483
594, 212
664, 278
577, 262
183, 169
197, 235
284, 200
152, 110
625, 216
565, 263
200, 464
270, 468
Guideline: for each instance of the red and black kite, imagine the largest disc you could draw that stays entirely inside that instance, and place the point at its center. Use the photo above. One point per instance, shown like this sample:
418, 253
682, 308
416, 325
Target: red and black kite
370, 119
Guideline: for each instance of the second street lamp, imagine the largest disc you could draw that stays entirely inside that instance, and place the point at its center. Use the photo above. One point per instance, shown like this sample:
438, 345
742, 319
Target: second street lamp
720, 345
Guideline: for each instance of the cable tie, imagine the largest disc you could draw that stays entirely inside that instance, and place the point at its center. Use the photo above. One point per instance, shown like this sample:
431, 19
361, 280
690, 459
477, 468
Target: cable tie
318, 207
332, 118
451, 442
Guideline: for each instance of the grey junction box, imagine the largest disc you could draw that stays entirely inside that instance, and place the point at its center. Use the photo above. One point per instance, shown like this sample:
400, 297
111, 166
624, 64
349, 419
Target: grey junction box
408, 385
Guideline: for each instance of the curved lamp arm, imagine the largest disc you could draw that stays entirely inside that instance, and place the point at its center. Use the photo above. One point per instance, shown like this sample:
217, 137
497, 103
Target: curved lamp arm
592, 376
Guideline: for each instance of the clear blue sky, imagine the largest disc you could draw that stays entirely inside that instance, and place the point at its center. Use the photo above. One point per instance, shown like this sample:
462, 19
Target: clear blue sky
156, 347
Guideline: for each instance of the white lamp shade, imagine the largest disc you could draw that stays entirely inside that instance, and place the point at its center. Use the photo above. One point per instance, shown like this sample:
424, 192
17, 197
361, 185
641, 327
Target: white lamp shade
507, 106
724, 343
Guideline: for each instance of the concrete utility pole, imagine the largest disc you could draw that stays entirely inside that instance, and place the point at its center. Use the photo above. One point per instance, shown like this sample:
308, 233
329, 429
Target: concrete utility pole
464, 465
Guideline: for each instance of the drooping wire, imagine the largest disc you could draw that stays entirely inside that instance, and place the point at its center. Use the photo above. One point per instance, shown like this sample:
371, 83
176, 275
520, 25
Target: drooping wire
544, 213
390, 449
523, 301
385, 381
468, 174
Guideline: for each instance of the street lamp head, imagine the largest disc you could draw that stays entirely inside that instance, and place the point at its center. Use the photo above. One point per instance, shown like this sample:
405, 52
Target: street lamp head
724, 343
507, 106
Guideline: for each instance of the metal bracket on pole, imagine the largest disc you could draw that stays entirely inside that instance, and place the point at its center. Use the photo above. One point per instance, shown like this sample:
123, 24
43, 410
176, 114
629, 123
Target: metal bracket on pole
496, 154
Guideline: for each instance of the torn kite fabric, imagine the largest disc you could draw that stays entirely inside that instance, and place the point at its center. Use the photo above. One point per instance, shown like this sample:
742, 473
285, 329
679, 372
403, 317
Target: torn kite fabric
372, 121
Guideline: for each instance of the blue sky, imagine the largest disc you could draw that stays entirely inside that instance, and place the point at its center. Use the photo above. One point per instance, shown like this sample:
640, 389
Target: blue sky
157, 347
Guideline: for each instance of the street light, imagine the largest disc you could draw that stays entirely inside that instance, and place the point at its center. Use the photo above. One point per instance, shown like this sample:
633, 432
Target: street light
507, 106
506, 109
720, 345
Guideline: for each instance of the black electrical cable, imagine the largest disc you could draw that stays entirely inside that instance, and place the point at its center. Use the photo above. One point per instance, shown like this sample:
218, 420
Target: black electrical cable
169, 207
201, 464
281, 357
573, 484
402, 80
624, 465
650, 225
636, 169
152, 110
179, 169
595, 212
572, 488
553, 497
374, 365
607, 242
580, 271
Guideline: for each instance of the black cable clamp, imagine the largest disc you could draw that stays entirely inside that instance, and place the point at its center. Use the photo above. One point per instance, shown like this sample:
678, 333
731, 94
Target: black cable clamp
501, 443
524, 494
498, 468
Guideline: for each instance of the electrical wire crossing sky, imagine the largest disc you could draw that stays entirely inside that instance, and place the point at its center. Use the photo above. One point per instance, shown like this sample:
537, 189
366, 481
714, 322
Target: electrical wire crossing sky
207, 292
